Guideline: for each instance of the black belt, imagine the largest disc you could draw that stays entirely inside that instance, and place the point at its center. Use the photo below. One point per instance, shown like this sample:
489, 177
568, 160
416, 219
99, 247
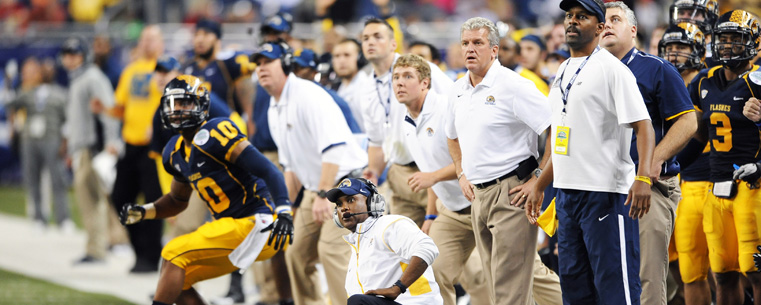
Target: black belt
411, 164
495, 181
464, 211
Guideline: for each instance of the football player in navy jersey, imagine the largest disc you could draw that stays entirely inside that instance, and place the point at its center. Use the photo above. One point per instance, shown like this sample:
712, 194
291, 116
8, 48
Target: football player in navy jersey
734, 207
683, 45
215, 159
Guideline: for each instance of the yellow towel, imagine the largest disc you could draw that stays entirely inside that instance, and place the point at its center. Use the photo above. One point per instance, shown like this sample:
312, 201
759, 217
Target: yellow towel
548, 221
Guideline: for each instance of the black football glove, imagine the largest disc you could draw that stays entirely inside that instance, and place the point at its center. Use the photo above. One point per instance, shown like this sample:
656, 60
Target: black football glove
131, 214
757, 258
282, 230
749, 173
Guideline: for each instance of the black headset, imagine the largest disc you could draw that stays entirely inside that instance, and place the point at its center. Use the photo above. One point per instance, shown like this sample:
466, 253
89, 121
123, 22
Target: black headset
361, 60
286, 59
376, 204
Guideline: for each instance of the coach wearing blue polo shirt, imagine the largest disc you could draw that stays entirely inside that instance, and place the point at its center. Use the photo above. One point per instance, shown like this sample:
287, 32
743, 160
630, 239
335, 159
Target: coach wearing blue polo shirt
674, 122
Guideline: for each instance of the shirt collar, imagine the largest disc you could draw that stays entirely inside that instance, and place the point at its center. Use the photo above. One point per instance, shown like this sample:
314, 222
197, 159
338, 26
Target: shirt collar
363, 228
629, 56
387, 77
489, 78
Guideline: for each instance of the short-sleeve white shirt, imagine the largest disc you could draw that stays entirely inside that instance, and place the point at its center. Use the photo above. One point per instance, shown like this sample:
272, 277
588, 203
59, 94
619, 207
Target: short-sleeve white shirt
497, 122
602, 102
384, 115
351, 94
304, 124
427, 143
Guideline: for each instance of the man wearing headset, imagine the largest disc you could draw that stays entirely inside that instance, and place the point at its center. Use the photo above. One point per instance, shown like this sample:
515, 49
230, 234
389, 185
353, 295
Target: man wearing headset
395, 255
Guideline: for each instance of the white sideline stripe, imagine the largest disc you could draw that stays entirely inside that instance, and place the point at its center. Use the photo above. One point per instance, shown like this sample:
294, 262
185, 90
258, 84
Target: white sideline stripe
624, 267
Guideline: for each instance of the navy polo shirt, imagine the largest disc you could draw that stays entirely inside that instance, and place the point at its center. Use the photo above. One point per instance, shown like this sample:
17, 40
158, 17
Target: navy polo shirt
665, 95
262, 139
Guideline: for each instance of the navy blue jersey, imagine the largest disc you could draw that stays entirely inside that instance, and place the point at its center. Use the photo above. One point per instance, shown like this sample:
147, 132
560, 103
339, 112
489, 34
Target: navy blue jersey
700, 169
161, 135
666, 98
228, 190
734, 139
222, 74
262, 139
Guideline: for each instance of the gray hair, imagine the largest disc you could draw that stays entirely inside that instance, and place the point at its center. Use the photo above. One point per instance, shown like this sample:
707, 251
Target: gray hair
477, 23
627, 11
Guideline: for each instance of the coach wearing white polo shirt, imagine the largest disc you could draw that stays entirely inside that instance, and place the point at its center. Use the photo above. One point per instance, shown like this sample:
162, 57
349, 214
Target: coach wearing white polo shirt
452, 230
493, 129
316, 149
383, 117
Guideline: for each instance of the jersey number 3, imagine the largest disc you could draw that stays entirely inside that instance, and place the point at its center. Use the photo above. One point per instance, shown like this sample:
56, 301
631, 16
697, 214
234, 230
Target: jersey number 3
723, 130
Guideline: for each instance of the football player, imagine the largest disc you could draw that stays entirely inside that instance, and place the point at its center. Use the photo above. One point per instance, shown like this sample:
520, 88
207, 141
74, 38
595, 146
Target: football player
215, 159
733, 209
702, 13
683, 45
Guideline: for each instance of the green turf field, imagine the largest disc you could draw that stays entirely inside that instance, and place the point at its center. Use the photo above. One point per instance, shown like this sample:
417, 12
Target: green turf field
13, 202
19, 289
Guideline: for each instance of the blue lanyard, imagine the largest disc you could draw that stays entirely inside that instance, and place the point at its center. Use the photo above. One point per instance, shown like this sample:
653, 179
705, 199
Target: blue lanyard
387, 105
573, 79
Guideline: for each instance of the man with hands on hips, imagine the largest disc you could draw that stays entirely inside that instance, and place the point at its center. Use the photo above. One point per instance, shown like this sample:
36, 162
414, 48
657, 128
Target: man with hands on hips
391, 257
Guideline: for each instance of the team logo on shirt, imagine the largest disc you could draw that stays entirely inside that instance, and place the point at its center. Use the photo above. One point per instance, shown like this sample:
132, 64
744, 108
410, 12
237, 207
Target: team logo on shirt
703, 93
755, 77
201, 137
490, 100
429, 131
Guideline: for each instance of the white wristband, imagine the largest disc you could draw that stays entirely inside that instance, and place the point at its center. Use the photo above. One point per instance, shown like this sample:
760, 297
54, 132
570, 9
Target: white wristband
283, 209
150, 211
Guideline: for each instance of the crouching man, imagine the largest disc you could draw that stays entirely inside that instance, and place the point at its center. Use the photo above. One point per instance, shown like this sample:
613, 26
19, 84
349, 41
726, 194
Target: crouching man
391, 257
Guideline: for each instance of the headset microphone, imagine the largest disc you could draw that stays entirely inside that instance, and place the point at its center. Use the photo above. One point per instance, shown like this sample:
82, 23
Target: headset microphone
360, 213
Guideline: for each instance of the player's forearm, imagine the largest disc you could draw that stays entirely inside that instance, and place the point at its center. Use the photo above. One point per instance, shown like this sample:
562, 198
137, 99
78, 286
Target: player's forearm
375, 160
293, 185
445, 173
645, 145
676, 138
414, 270
172, 203
547, 174
431, 207
456, 154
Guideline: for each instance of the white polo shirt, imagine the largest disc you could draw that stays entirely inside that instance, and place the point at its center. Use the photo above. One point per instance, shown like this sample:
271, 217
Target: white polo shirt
384, 115
351, 94
304, 124
381, 254
601, 103
498, 122
427, 143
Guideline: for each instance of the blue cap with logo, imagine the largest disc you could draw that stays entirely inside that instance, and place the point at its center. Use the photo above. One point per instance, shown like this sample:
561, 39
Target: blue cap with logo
535, 39
167, 63
349, 187
270, 50
280, 23
209, 26
74, 45
596, 7
305, 58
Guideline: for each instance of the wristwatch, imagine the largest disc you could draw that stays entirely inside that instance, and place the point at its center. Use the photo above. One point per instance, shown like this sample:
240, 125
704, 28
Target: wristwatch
537, 172
322, 194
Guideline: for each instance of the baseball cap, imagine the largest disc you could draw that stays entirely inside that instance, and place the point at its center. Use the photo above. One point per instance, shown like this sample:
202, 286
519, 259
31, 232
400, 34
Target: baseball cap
270, 50
305, 58
280, 22
562, 52
210, 26
535, 39
167, 63
74, 45
349, 187
596, 7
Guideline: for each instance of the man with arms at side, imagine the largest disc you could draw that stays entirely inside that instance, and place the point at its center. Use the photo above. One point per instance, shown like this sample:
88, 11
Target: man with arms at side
384, 116
674, 122
348, 61
391, 257
214, 158
684, 46
491, 109
595, 105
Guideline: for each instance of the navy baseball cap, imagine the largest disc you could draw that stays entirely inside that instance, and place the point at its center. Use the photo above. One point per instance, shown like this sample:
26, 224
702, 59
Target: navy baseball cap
270, 50
562, 52
210, 26
74, 45
167, 63
280, 23
349, 187
535, 39
306, 58
596, 7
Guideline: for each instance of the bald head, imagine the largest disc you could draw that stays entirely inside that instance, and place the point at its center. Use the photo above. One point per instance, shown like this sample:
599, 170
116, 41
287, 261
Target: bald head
151, 43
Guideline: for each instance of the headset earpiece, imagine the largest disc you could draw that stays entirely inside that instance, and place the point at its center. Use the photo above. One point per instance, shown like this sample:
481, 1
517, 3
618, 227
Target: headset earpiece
376, 204
287, 59
361, 60
336, 220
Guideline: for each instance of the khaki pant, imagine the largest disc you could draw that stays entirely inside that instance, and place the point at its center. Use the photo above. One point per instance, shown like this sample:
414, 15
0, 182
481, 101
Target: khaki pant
546, 287
92, 203
506, 242
310, 243
117, 234
453, 235
405, 201
654, 235
191, 218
